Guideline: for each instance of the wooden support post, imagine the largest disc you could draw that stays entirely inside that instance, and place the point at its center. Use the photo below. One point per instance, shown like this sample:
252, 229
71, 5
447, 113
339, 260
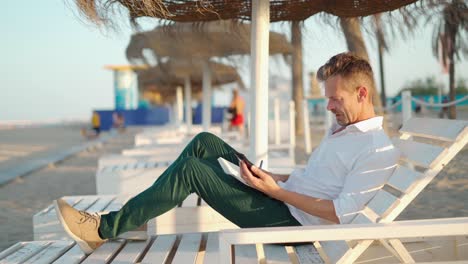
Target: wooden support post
292, 128
188, 104
259, 85
307, 141
179, 106
406, 106
276, 106
206, 116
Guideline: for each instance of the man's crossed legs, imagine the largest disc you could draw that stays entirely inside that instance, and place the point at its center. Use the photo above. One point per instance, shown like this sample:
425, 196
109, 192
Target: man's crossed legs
196, 170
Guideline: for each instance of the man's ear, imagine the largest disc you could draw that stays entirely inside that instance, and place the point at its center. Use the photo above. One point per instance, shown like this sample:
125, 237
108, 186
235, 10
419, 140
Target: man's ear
362, 93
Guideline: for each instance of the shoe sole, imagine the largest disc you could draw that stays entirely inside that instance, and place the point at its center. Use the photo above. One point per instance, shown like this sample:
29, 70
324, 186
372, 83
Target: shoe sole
81, 243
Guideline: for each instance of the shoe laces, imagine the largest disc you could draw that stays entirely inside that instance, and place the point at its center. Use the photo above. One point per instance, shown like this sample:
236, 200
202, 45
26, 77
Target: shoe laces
87, 217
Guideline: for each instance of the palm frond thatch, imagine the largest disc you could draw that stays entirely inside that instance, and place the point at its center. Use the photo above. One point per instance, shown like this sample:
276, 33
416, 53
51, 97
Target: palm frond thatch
200, 41
102, 11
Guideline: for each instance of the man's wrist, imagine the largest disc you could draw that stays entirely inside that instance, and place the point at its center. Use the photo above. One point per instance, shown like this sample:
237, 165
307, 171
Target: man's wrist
280, 177
279, 194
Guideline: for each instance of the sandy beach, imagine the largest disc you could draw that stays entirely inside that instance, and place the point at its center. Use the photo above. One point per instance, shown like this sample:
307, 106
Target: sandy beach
25, 196
20, 199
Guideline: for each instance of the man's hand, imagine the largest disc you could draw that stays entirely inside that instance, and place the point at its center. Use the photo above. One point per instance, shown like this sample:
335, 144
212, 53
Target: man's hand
276, 177
262, 180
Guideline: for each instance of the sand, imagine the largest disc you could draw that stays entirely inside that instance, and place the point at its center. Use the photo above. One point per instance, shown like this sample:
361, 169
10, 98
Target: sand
20, 199
25, 196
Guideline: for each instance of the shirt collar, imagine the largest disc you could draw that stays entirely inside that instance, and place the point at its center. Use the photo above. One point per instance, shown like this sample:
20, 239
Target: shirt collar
362, 126
369, 124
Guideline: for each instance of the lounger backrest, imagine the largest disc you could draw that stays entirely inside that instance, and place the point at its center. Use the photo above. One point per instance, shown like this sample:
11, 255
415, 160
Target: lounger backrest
426, 146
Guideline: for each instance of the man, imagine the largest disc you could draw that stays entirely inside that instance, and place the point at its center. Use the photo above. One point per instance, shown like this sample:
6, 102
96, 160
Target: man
96, 123
96, 127
342, 175
237, 110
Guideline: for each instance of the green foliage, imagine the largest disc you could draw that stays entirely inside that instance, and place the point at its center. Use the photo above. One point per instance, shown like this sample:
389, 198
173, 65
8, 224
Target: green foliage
430, 86
461, 87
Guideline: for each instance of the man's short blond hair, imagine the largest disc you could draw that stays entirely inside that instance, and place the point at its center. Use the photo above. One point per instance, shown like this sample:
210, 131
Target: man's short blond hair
355, 70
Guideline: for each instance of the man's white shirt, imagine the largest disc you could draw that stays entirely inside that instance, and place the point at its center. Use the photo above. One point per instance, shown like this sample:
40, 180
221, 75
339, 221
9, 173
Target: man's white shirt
348, 167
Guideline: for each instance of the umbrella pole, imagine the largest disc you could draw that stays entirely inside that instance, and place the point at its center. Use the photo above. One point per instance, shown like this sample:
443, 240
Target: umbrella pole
188, 104
206, 117
179, 106
259, 81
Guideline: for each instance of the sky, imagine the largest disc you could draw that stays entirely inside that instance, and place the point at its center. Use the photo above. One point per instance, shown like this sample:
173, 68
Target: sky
51, 65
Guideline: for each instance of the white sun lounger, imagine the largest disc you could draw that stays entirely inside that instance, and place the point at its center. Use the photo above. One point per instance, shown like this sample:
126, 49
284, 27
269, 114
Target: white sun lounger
203, 248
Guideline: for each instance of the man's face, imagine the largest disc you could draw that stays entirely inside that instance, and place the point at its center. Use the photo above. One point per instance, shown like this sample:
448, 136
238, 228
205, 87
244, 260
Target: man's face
342, 102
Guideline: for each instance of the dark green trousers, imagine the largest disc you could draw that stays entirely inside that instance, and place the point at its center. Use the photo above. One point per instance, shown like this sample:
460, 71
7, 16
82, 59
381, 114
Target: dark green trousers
197, 170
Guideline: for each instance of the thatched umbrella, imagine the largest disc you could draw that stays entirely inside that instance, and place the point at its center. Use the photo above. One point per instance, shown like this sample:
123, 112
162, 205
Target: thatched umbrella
209, 10
260, 14
199, 42
167, 78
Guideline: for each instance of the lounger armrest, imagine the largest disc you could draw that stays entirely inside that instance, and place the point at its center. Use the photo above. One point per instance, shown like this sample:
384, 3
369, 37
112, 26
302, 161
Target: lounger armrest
398, 229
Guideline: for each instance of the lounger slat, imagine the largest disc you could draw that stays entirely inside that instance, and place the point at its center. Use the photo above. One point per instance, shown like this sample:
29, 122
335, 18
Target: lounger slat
307, 254
74, 255
404, 178
140, 165
212, 249
103, 169
188, 249
72, 200
130, 252
10, 250
383, 202
440, 129
160, 249
86, 202
361, 219
104, 253
421, 154
333, 249
52, 252
275, 254
117, 161
25, 252
117, 203
245, 254
120, 167
101, 203
156, 164
162, 153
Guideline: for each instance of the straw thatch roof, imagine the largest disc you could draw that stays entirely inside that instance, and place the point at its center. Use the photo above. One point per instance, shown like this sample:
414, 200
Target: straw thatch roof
167, 76
100, 11
202, 40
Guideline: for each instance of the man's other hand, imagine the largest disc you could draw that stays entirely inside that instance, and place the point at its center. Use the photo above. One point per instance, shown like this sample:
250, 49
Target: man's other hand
261, 181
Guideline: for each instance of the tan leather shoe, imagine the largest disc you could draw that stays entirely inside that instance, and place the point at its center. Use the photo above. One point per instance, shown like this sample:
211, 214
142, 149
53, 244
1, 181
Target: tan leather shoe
79, 225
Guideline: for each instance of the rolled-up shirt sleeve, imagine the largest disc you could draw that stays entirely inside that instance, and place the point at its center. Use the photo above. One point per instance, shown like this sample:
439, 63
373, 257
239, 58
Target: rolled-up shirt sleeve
369, 173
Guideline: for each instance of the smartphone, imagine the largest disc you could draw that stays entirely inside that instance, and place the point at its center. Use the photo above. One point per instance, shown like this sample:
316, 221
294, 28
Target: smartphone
247, 162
